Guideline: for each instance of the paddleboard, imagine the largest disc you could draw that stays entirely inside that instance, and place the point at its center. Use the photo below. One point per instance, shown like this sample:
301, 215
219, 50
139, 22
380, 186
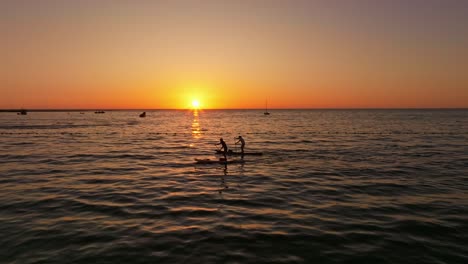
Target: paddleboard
210, 161
233, 153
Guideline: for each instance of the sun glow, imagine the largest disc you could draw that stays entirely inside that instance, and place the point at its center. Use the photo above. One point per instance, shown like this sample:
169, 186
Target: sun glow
195, 104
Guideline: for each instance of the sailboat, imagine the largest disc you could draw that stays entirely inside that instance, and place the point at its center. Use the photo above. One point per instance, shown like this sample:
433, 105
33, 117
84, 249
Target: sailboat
266, 109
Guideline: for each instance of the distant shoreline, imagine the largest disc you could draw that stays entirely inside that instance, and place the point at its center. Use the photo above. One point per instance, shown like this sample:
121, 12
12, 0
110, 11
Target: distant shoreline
228, 109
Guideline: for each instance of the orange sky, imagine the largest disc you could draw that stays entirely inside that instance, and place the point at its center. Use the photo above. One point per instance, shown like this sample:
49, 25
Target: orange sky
226, 54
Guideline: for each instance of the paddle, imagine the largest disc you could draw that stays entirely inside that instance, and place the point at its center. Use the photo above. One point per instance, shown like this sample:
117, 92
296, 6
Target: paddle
235, 144
216, 145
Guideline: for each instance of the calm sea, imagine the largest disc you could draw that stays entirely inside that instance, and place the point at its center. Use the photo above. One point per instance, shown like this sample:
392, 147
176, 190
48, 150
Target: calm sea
332, 186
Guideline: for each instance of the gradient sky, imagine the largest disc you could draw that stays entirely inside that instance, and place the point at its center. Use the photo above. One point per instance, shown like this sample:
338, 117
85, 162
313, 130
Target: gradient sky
233, 54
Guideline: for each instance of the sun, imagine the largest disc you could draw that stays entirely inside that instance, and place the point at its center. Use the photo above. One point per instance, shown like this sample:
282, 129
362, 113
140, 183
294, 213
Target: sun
195, 104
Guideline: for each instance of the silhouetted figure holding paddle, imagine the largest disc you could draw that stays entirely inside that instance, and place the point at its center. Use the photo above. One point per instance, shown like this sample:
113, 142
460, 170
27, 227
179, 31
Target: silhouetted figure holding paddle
223, 147
242, 141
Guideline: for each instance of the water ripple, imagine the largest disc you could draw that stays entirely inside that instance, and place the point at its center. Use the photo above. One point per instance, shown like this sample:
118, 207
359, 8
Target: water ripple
331, 187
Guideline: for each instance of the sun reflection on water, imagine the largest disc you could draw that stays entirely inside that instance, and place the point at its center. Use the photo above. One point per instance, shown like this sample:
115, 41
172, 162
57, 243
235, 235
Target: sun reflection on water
196, 129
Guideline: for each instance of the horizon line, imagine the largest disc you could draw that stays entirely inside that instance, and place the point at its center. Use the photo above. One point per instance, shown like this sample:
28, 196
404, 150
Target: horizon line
215, 109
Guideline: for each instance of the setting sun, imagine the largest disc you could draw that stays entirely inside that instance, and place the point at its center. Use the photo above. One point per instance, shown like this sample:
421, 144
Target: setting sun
195, 104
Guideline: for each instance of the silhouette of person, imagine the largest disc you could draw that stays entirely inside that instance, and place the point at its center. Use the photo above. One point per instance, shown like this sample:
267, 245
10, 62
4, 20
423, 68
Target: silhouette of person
223, 147
242, 141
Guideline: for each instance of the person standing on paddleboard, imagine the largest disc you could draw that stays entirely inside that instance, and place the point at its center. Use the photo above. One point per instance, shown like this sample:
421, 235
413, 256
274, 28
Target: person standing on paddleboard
223, 147
242, 141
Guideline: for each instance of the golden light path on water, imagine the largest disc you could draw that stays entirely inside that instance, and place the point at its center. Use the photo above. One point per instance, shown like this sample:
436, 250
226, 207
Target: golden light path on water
196, 130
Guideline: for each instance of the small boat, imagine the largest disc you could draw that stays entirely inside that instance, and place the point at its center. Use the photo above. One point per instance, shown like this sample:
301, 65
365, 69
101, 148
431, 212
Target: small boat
220, 161
99, 112
236, 153
266, 109
143, 114
22, 112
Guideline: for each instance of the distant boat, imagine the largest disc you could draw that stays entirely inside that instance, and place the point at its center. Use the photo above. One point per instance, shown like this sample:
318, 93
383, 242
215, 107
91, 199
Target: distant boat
99, 112
22, 112
266, 109
143, 114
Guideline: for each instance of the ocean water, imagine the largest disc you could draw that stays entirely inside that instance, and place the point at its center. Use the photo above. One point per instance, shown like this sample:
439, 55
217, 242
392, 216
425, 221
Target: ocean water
332, 186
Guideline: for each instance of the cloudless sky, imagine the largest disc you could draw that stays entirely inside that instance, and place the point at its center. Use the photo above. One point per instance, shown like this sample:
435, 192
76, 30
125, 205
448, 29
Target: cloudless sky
233, 54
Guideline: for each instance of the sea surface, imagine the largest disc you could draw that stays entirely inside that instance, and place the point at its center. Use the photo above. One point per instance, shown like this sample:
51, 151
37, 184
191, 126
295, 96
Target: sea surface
332, 186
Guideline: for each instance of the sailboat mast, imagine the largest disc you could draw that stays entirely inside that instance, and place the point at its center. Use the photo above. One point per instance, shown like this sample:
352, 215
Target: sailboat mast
266, 108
